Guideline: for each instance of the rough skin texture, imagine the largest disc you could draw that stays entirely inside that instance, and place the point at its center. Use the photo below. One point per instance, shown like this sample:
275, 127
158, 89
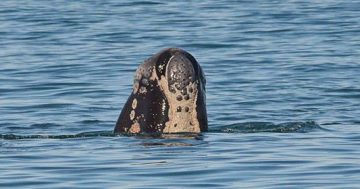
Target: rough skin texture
168, 96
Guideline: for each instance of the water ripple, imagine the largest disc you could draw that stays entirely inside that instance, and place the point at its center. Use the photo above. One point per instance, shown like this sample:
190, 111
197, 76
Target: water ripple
67, 69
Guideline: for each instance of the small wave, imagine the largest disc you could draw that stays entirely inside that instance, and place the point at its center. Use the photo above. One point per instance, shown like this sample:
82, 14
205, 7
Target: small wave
69, 136
104, 134
257, 127
247, 127
44, 125
90, 121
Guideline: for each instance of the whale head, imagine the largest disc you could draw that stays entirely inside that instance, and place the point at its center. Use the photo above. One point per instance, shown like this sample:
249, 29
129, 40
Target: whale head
168, 96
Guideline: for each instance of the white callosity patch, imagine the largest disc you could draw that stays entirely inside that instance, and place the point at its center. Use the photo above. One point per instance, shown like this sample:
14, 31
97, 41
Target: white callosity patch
181, 94
182, 113
143, 75
135, 128
180, 91
134, 104
142, 90
132, 114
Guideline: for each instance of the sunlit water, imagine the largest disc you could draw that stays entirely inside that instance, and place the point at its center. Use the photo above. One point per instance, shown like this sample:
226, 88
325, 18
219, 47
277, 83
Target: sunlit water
283, 94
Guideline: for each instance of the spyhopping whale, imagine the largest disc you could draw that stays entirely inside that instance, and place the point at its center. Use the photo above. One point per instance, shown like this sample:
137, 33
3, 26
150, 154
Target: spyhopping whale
168, 96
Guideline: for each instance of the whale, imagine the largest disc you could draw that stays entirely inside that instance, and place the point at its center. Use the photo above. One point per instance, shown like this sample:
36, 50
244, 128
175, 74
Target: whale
168, 96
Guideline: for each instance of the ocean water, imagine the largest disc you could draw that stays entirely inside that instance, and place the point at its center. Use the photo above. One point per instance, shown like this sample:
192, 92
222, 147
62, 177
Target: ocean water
283, 93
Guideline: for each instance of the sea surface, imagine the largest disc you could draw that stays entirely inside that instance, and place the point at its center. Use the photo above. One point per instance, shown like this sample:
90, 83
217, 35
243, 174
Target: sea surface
283, 93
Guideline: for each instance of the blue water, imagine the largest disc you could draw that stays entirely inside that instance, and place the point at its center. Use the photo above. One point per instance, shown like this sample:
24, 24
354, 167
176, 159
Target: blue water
283, 94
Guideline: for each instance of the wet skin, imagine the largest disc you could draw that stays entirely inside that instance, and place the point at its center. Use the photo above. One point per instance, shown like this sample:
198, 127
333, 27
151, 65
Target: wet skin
168, 96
